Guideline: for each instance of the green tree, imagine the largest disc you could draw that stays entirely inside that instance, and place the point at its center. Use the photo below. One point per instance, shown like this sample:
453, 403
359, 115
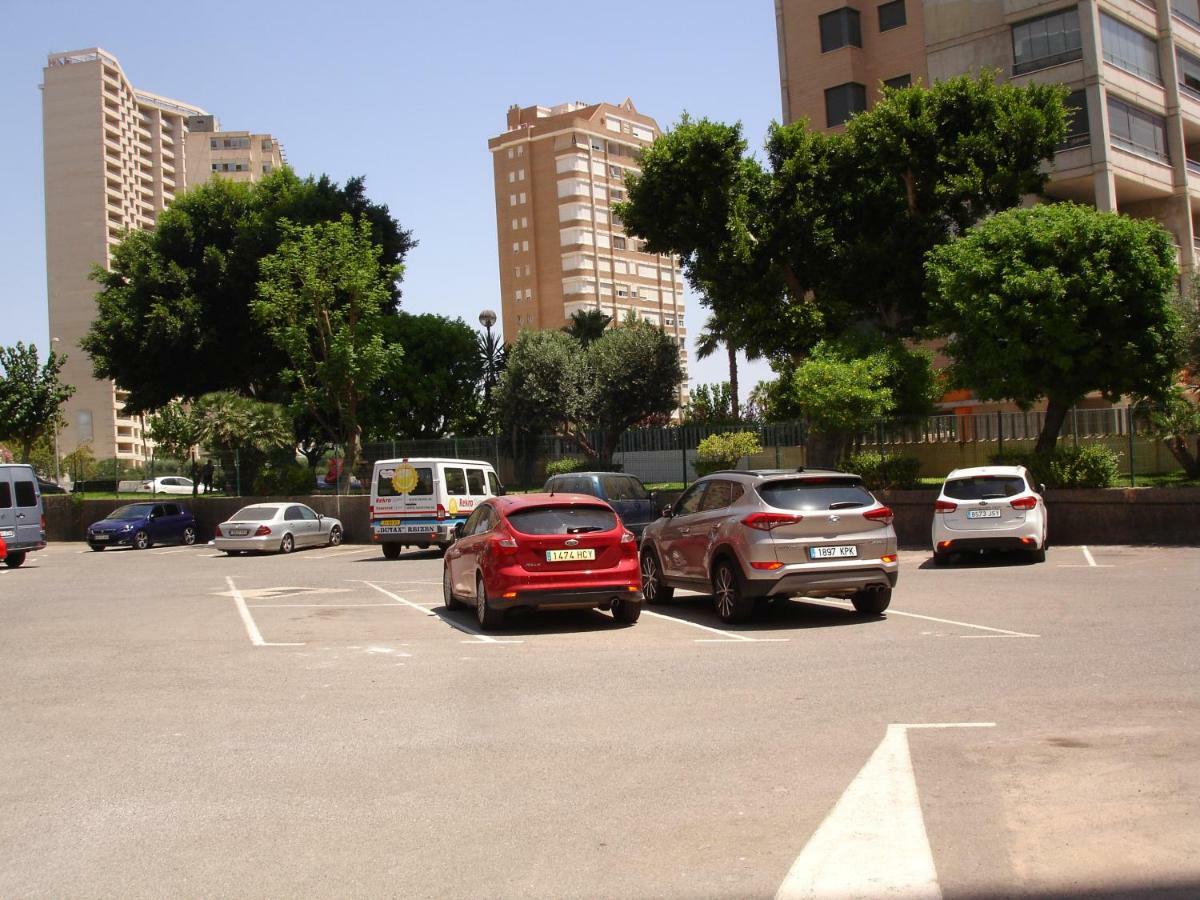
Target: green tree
322, 301
31, 396
710, 404
245, 432
587, 325
590, 398
433, 390
173, 309
1054, 302
829, 235
176, 429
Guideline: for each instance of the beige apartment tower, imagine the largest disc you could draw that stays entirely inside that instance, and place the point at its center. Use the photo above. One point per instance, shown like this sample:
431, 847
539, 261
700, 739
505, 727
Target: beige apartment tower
1132, 67
561, 248
114, 158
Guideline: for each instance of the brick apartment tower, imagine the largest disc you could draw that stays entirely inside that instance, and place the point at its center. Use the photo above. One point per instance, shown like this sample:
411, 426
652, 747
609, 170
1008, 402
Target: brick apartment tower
114, 158
1132, 67
561, 249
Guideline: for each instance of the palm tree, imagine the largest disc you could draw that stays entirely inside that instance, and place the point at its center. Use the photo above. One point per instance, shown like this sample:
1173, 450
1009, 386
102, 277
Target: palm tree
587, 325
711, 337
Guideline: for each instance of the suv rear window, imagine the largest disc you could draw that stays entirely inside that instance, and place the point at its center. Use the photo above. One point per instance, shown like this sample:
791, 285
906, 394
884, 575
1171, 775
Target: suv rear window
562, 519
622, 487
813, 494
984, 487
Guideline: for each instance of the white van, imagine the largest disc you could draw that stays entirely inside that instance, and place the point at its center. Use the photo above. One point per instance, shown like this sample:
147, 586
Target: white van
22, 519
417, 502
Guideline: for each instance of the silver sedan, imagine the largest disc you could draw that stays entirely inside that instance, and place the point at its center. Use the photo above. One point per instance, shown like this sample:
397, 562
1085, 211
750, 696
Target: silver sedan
276, 527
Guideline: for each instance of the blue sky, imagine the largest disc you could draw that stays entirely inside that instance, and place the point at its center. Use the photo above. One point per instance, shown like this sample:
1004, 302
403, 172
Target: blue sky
405, 92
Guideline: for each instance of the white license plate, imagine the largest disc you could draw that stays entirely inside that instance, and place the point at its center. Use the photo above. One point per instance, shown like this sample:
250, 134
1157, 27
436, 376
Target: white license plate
8, 532
238, 532
569, 555
845, 551
100, 537
983, 513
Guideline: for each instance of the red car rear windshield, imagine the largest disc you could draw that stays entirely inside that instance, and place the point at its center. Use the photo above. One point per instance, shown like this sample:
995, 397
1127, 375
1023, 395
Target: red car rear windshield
562, 519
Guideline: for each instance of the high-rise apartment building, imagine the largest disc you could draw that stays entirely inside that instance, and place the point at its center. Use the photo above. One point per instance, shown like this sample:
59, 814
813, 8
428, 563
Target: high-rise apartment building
115, 157
1132, 67
561, 248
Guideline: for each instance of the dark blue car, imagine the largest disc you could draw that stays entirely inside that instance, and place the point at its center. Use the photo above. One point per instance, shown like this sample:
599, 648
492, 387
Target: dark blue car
624, 493
141, 525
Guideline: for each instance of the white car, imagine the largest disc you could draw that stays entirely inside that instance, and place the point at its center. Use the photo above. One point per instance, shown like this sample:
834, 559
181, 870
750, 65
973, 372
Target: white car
276, 528
990, 508
169, 484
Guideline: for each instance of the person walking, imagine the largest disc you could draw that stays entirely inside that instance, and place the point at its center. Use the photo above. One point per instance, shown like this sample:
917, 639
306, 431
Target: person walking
206, 476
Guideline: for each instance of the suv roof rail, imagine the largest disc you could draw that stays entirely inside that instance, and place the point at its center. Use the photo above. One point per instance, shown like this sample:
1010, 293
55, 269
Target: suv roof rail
763, 473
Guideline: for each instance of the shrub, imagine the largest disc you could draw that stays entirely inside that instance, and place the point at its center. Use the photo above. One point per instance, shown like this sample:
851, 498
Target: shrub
881, 472
283, 480
723, 451
1089, 466
565, 466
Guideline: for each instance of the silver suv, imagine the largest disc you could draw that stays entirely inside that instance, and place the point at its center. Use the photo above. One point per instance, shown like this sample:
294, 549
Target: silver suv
748, 535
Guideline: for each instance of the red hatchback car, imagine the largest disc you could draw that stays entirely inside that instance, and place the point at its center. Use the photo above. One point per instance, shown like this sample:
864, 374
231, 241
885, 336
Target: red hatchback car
542, 551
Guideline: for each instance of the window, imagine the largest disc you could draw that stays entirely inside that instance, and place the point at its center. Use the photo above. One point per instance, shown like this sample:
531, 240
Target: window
984, 487
5, 495
813, 494
1136, 130
840, 28
524, 222
614, 172
494, 483
525, 246
892, 15
512, 176
213, 145
1188, 10
512, 199
843, 101
521, 150
517, 295
1189, 73
900, 81
516, 247
690, 501
522, 200
475, 482
267, 145
622, 487
1048, 41
267, 168
480, 515
718, 496
618, 242
1129, 49
514, 224
562, 519
456, 482
527, 271
617, 195
520, 174
516, 272
26, 494
1078, 131
510, 153
306, 514
292, 514
528, 293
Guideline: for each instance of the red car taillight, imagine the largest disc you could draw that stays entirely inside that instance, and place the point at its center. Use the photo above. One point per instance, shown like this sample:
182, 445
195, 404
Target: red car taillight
1024, 503
761, 521
944, 506
503, 543
884, 514
262, 531
629, 543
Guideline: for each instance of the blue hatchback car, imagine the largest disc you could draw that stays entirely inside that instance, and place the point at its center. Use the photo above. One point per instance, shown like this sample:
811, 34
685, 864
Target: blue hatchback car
624, 493
141, 525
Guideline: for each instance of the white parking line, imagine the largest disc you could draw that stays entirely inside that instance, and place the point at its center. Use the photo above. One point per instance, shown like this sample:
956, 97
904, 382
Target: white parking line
256, 637
318, 605
727, 637
1087, 554
348, 551
480, 638
895, 612
874, 842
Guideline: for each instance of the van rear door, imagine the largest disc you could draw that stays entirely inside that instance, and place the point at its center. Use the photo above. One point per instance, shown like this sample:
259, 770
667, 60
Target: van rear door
28, 509
8, 510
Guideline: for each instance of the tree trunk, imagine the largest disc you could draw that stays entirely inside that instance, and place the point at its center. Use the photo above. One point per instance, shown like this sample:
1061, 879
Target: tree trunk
1178, 446
350, 458
1056, 414
733, 381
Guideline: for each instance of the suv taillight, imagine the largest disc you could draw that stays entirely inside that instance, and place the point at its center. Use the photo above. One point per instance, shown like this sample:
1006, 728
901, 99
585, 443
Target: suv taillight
884, 514
761, 521
945, 506
1024, 503
262, 531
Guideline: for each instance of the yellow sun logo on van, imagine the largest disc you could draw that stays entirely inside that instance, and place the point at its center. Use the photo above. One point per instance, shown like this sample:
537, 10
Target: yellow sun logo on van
454, 506
404, 481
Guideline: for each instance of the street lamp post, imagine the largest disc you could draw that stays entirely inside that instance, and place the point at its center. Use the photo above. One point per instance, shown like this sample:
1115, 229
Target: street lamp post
57, 472
487, 319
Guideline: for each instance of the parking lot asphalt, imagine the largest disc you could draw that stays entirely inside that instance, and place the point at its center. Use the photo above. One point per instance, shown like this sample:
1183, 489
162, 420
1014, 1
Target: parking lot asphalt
179, 722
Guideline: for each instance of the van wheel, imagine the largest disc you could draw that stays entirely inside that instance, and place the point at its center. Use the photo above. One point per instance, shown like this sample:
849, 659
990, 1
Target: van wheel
391, 551
653, 588
15, 558
141, 541
489, 618
728, 595
872, 601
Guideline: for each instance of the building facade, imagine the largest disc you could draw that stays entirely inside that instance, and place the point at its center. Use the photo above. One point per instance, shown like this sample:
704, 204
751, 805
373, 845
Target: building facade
561, 248
114, 158
1132, 67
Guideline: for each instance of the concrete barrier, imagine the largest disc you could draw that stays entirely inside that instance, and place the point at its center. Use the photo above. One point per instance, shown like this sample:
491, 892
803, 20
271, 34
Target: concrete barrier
1115, 516
67, 518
